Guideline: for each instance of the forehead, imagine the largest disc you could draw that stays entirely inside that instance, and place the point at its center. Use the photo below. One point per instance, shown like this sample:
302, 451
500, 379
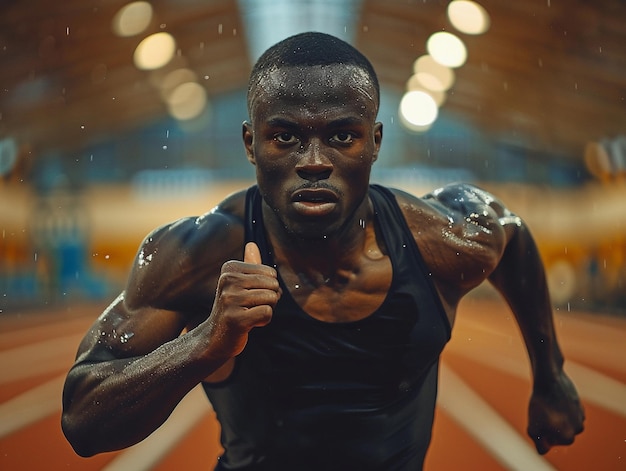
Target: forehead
310, 86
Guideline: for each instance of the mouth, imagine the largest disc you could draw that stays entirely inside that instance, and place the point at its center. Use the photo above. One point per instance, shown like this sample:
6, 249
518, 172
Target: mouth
314, 201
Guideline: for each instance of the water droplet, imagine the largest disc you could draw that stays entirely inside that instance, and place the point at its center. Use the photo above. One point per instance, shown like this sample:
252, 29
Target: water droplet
126, 336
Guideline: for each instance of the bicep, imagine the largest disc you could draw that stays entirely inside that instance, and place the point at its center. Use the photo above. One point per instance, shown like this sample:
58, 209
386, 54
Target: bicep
171, 286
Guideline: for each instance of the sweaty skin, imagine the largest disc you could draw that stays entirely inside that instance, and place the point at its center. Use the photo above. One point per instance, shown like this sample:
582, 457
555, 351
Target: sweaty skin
195, 292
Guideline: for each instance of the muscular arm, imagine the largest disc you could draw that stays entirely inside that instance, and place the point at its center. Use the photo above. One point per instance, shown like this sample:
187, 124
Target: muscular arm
520, 278
112, 400
467, 235
555, 412
133, 366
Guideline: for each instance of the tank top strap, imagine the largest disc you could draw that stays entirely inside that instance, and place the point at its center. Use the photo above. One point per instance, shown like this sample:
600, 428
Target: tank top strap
254, 228
404, 250
391, 219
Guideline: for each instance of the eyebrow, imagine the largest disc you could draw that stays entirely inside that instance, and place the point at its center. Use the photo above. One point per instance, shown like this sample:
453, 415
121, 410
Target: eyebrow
280, 123
345, 121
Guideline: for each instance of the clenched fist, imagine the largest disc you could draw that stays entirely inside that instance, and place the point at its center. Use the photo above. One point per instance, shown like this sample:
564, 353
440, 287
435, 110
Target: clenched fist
246, 295
555, 414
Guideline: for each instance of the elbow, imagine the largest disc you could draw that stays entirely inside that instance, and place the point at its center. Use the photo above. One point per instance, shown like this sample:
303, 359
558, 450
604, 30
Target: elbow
77, 435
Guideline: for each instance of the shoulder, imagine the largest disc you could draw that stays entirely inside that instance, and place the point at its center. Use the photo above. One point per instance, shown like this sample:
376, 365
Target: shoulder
455, 197
458, 231
181, 260
456, 203
191, 234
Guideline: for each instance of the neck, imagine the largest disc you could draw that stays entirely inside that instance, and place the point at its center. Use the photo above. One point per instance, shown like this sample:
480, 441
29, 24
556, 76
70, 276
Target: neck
329, 260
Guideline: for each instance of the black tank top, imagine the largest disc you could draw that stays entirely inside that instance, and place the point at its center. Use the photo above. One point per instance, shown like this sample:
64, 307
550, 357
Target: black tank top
312, 395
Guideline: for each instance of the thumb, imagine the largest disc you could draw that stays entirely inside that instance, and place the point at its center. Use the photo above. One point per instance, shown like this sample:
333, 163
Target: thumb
252, 254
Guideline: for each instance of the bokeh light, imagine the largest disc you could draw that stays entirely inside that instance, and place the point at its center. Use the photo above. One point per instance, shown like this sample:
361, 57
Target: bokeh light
175, 78
468, 17
414, 85
433, 75
447, 49
418, 109
132, 19
187, 101
155, 51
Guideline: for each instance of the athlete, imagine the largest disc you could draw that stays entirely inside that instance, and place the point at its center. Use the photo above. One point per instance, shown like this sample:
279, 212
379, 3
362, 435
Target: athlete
312, 307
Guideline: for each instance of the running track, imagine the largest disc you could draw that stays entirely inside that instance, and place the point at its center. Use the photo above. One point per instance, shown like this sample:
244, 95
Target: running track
479, 425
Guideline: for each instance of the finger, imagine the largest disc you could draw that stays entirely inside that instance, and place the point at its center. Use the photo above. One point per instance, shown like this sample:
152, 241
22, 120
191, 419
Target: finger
542, 443
259, 316
260, 297
543, 447
252, 254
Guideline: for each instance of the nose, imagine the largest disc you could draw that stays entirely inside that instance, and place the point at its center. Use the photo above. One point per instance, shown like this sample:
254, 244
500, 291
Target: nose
313, 164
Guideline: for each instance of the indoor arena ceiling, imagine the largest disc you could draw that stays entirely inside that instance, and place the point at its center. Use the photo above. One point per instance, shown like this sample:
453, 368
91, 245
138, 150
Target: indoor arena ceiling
549, 75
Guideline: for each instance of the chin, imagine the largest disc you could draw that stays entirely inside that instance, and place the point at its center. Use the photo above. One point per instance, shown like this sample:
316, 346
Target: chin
311, 231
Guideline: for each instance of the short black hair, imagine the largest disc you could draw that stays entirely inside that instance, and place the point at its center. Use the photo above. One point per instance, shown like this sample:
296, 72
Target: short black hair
311, 48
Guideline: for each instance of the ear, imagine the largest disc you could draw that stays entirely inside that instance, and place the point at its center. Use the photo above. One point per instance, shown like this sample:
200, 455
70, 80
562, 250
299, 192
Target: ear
248, 141
378, 138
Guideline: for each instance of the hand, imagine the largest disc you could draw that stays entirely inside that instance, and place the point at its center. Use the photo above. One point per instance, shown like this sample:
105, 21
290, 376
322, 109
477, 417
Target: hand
555, 414
246, 295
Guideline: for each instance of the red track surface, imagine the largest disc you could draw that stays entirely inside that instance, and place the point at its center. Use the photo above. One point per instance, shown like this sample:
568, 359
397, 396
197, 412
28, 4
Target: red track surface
484, 374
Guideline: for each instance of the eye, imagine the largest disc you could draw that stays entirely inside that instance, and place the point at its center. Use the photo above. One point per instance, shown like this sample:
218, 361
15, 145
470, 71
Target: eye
285, 138
343, 137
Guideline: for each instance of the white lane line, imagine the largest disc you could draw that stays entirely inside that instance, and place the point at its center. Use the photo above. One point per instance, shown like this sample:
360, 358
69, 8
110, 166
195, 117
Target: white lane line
597, 388
48, 326
30, 407
148, 453
38, 358
486, 426
593, 387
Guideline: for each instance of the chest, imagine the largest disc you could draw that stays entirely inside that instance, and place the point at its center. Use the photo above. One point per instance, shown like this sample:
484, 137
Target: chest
346, 296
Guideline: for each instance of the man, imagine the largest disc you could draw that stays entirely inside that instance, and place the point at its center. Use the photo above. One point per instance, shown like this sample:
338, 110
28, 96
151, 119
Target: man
320, 349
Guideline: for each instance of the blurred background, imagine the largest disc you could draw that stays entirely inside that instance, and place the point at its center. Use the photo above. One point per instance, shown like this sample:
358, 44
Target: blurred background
118, 116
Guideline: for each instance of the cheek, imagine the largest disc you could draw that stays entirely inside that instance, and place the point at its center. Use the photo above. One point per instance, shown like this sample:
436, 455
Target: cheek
269, 170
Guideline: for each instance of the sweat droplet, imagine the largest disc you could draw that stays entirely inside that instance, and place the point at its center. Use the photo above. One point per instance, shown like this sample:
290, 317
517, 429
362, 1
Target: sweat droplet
126, 336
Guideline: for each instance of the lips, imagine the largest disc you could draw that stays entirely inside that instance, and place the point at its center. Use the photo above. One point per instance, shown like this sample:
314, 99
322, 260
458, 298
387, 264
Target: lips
314, 201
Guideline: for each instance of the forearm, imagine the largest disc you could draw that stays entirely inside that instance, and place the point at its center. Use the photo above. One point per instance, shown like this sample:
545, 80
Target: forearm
114, 404
520, 278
